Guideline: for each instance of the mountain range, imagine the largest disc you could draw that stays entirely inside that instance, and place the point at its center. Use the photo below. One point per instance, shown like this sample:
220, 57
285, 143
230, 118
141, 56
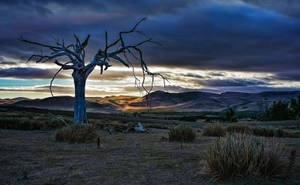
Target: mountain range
183, 102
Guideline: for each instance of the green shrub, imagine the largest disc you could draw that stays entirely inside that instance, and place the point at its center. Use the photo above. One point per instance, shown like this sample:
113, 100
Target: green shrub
241, 155
214, 129
182, 133
76, 134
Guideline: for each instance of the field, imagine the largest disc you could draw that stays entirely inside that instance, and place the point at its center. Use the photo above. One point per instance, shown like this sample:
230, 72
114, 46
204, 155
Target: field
34, 157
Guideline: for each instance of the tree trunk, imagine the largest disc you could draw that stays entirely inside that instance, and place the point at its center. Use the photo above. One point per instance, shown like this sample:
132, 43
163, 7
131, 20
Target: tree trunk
80, 116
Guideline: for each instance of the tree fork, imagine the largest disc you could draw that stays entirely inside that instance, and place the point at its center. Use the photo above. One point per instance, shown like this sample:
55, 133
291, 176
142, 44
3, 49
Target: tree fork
75, 53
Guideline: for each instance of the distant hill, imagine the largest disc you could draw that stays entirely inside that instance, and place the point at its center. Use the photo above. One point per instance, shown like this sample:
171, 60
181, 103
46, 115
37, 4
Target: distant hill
202, 101
8, 101
63, 103
188, 101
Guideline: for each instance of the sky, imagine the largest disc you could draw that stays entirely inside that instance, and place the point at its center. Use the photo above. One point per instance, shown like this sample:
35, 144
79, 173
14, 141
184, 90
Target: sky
206, 45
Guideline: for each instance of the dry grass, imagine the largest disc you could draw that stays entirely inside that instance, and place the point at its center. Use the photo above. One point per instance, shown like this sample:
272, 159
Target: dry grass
219, 130
77, 134
33, 157
182, 133
34, 121
238, 128
22, 123
242, 155
214, 129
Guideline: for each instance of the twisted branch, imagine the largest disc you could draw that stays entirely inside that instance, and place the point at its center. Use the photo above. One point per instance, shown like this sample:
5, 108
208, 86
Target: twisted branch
102, 57
76, 54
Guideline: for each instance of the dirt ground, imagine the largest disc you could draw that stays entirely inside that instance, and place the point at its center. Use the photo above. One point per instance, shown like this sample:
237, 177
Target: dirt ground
34, 158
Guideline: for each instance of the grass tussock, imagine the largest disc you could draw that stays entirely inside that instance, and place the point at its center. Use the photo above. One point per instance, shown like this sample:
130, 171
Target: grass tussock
259, 131
218, 130
235, 128
214, 129
182, 133
242, 155
271, 132
77, 134
25, 123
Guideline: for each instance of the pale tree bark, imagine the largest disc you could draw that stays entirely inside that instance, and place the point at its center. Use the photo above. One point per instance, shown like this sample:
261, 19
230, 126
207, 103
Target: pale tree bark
80, 116
75, 55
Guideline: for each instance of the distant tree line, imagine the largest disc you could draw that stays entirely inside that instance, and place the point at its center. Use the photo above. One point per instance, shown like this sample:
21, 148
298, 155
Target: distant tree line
284, 110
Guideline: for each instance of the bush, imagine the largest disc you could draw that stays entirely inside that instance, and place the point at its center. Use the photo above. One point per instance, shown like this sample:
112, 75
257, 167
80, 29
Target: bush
25, 123
295, 108
279, 111
182, 133
239, 129
20, 124
271, 132
214, 129
262, 131
244, 129
241, 155
230, 115
76, 134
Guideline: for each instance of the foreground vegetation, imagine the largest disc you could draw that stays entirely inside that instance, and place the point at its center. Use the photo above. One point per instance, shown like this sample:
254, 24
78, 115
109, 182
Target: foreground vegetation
219, 130
146, 157
77, 134
243, 155
182, 133
121, 159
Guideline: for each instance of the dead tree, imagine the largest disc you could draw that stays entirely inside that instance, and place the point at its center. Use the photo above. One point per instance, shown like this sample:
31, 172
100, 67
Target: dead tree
117, 50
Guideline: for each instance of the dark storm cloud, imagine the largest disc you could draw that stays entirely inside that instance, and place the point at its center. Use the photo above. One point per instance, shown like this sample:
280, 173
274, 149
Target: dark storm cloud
235, 37
27, 73
38, 73
229, 82
147, 7
290, 75
206, 34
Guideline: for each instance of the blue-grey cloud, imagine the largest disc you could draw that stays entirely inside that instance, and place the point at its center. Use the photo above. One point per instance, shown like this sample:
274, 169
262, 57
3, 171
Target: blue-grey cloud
288, 7
289, 76
26, 73
230, 83
205, 34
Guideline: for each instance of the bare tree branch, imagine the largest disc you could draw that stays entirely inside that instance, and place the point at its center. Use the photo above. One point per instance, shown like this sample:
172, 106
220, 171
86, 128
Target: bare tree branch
64, 66
51, 82
116, 50
57, 51
102, 57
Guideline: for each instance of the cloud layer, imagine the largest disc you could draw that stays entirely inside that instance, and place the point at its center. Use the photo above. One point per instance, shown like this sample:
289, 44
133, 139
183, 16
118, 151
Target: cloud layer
210, 34
215, 35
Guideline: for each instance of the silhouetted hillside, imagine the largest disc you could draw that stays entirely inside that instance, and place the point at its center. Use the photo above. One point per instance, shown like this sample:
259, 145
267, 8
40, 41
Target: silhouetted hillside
188, 101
